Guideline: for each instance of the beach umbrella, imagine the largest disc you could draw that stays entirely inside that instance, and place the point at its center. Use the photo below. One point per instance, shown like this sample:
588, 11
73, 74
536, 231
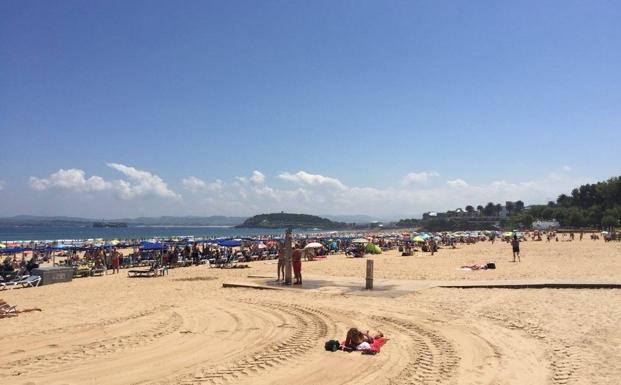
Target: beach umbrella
2, 246
360, 240
418, 238
261, 246
313, 245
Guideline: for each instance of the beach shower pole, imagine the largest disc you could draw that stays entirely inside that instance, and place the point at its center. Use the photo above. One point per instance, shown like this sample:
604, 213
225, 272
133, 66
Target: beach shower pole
288, 253
369, 284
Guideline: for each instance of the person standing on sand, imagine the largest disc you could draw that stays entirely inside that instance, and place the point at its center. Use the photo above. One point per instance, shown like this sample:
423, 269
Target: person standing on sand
281, 262
296, 261
515, 244
116, 259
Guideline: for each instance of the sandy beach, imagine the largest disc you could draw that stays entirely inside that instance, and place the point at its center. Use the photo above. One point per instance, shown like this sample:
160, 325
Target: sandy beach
185, 328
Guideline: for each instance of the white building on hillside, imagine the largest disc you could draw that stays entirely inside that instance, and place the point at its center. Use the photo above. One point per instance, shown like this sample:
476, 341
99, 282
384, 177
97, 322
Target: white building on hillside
546, 225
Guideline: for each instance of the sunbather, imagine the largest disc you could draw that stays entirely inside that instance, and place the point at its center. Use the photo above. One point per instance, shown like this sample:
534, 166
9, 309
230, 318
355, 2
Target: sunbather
357, 340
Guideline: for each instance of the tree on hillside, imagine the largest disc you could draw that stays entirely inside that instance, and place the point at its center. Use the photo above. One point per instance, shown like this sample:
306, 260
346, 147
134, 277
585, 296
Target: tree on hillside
510, 207
480, 210
489, 209
519, 206
609, 221
563, 200
498, 209
469, 210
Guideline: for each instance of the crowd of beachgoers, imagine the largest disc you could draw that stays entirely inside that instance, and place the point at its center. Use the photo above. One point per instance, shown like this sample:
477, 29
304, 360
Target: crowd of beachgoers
98, 256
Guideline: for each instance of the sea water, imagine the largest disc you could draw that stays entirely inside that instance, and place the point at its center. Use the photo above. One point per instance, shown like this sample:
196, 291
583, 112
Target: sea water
18, 233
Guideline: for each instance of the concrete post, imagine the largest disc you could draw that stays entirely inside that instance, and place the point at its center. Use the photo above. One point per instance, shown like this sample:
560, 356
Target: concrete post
288, 254
369, 284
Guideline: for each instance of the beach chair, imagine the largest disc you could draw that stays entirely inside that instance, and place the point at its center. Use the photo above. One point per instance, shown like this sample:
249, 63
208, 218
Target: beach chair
31, 281
24, 281
153, 271
8, 311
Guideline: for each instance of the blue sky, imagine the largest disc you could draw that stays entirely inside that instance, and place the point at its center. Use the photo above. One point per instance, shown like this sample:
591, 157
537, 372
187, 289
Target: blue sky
123, 108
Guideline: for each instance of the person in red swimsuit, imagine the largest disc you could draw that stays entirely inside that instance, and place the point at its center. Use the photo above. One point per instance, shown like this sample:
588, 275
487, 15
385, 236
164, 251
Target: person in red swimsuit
116, 261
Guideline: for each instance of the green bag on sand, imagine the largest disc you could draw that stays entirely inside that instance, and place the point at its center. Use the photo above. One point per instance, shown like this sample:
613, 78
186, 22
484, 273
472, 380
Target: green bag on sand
332, 345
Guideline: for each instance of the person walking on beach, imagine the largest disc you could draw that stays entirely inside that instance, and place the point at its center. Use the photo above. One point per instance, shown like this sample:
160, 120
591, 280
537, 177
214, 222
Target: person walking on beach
296, 262
281, 262
515, 244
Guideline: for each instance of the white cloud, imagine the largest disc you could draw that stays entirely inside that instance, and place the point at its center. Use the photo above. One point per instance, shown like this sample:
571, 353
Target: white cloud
302, 177
397, 200
419, 177
145, 183
71, 179
216, 185
257, 177
2, 184
566, 168
457, 183
308, 193
193, 183
141, 183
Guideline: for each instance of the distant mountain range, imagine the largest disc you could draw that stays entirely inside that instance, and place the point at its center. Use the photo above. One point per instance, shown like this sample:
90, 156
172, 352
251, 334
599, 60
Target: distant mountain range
32, 220
214, 220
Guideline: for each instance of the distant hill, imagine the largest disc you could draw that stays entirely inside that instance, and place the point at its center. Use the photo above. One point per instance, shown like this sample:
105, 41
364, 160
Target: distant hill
282, 220
56, 221
61, 221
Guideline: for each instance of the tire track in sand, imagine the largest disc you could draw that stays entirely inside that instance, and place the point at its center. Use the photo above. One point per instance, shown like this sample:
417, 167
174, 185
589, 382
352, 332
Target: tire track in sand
565, 359
86, 326
304, 327
44, 362
433, 359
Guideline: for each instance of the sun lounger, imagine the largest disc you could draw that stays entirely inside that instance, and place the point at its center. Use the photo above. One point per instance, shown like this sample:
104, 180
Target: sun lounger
25, 281
153, 271
81, 273
7, 310
98, 272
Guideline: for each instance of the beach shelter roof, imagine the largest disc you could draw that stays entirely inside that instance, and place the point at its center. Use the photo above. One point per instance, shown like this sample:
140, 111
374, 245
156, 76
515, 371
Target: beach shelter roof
229, 242
152, 246
12, 250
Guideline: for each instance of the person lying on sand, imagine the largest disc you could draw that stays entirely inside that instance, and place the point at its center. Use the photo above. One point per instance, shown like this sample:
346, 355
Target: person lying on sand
357, 340
7, 310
